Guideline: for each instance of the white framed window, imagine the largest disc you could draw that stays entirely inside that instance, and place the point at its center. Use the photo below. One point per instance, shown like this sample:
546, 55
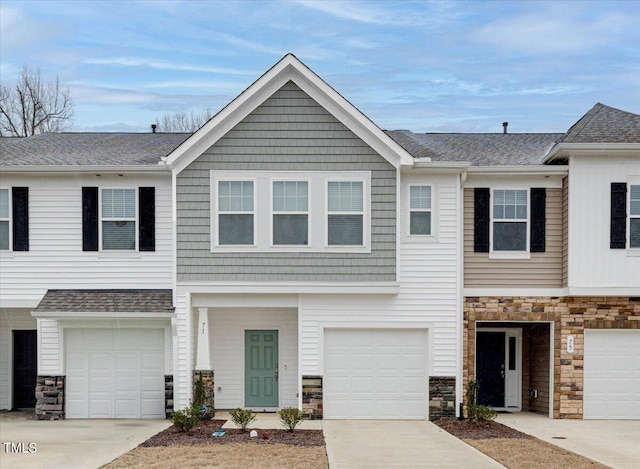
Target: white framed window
118, 219
235, 207
634, 216
345, 213
290, 207
5, 220
420, 213
510, 220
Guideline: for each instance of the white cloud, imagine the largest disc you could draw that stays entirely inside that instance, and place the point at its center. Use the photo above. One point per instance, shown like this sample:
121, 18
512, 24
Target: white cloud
162, 65
362, 12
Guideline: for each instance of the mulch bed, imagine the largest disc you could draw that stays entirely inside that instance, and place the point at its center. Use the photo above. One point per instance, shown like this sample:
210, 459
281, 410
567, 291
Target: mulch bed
468, 430
201, 435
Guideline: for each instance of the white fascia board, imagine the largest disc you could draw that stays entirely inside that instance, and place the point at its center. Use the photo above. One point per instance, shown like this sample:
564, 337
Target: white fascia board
356, 288
563, 150
450, 167
528, 292
100, 315
288, 68
75, 169
519, 170
598, 290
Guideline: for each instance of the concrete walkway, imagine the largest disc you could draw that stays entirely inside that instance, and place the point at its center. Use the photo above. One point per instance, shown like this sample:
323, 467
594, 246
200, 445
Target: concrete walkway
72, 444
614, 443
377, 444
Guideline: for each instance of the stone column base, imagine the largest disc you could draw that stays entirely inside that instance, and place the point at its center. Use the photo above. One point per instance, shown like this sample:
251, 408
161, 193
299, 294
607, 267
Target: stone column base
208, 379
50, 398
442, 397
312, 397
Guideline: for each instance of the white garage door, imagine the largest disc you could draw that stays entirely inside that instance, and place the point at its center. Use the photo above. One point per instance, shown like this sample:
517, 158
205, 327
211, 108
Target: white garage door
115, 373
612, 374
375, 374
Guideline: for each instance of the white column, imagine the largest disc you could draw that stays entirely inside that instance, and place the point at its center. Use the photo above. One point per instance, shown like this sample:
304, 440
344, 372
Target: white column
203, 361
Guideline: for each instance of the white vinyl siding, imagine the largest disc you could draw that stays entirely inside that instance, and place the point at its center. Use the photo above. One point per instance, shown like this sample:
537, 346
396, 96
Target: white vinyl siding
55, 259
5, 241
634, 216
118, 219
290, 213
419, 210
510, 220
235, 213
345, 218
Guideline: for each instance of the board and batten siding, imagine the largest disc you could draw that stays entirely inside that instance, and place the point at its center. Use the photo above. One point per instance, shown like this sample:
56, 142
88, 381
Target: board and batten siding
428, 293
55, 259
542, 270
10, 320
592, 263
565, 232
288, 132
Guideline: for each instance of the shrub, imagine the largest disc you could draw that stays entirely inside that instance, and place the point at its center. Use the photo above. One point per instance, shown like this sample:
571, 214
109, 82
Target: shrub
199, 396
478, 413
290, 417
186, 419
242, 417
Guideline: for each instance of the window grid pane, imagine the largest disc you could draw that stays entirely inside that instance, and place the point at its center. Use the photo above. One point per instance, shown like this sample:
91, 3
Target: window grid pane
290, 230
420, 223
345, 196
120, 235
4, 204
235, 196
509, 236
235, 229
290, 196
119, 203
635, 201
634, 233
4, 235
420, 198
510, 204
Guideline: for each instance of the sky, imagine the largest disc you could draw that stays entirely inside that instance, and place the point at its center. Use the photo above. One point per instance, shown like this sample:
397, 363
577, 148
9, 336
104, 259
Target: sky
426, 66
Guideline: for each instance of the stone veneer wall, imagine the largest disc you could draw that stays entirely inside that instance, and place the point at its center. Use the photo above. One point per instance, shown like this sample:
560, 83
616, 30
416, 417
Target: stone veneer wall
168, 396
208, 378
50, 398
442, 397
312, 397
570, 316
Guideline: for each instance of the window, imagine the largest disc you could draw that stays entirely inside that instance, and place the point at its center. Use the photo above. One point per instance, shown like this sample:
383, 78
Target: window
235, 213
4, 219
419, 210
290, 213
345, 219
634, 217
510, 216
118, 213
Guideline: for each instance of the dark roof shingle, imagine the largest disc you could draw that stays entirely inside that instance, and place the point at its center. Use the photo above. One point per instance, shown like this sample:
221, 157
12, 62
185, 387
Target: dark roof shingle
605, 124
107, 301
88, 149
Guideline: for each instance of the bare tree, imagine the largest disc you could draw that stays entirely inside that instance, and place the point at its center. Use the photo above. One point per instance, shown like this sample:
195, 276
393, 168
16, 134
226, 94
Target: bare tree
34, 107
181, 121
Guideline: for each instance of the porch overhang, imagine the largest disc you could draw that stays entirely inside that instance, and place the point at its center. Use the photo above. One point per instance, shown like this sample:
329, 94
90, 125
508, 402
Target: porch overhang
355, 288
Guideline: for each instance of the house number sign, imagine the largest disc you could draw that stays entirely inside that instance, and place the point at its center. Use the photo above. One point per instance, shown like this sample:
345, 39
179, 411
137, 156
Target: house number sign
570, 344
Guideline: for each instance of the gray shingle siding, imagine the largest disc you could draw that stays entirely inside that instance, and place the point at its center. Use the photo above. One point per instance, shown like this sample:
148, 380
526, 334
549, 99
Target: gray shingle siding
288, 132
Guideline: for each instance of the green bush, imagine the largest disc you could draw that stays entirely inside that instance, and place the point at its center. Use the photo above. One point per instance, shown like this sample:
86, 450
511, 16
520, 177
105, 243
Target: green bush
186, 419
475, 412
484, 413
290, 417
199, 396
242, 417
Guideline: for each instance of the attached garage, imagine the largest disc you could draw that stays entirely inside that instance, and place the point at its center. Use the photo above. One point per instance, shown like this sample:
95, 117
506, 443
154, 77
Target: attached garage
115, 373
375, 373
612, 374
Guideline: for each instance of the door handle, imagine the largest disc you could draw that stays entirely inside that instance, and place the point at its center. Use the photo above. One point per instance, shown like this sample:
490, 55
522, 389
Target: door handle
276, 371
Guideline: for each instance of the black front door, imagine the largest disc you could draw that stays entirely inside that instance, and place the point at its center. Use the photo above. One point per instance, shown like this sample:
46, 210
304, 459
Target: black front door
490, 368
24, 369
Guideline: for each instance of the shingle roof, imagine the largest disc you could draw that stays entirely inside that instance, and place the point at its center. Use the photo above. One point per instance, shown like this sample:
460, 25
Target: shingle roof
100, 149
605, 124
478, 149
107, 301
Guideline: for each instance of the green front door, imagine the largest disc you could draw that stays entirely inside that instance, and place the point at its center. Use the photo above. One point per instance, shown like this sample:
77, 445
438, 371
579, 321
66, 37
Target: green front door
261, 368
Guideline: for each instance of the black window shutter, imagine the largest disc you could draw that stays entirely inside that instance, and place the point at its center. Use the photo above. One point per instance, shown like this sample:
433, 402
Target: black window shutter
618, 215
20, 198
538, 219
89, 218
481, 219
147, 234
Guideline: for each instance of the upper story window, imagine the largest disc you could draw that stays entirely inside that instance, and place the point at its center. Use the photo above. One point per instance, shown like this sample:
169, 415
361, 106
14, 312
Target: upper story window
118, 219
345, 215
235, 213
4, 220
420, 210
290, 213
634, 216
510, 219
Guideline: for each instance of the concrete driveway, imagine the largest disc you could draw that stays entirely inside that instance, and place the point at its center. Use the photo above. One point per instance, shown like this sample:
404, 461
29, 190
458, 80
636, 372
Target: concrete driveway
613, 443
369, 444
72, 444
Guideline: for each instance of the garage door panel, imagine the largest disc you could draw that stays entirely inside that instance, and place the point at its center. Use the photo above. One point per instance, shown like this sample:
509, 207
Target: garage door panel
120, 376
612, 374
375, 373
